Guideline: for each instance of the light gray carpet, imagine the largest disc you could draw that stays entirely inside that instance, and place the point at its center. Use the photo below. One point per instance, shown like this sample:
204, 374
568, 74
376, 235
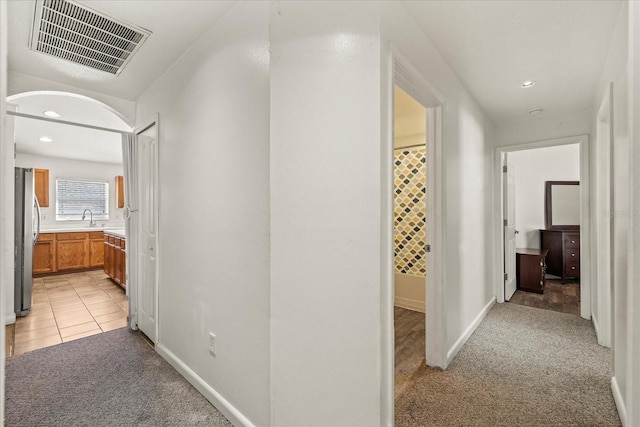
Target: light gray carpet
522, 367
110, 379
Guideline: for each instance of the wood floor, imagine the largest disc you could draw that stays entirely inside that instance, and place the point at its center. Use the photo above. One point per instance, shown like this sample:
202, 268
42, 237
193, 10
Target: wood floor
564, 298
409, 346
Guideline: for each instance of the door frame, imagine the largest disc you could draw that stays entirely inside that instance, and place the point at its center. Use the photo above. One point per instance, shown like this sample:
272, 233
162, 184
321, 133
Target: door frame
133, 288
585, 214
604, 290
397, 70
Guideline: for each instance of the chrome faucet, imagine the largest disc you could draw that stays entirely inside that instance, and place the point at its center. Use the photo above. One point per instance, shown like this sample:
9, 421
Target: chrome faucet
91, 223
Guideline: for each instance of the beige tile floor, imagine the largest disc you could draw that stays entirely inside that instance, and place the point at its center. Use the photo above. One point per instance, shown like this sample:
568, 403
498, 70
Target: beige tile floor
67, 307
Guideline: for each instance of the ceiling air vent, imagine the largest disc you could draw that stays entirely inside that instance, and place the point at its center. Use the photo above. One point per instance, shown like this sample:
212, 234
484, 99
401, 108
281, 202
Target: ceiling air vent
71, 31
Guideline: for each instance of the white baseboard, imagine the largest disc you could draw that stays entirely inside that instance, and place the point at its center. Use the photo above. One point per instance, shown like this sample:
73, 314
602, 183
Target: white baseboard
410, 304
10, 319
617, 397
470, 330
227, 409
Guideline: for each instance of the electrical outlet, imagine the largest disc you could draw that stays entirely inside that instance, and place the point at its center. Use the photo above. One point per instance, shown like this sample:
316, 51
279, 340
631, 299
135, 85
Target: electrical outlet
212, 344
44, 217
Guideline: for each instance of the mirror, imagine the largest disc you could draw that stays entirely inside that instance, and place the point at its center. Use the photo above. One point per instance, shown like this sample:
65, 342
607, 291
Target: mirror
562, 205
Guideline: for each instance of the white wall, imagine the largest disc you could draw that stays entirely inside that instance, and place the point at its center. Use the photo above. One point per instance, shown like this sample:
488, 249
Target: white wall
531, 169
325, 207
213, 252
67, 168
544, 127
615, 70
633, 389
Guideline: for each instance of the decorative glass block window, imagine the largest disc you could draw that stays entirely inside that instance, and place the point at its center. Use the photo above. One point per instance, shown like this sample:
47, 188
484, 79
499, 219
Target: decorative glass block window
73, 196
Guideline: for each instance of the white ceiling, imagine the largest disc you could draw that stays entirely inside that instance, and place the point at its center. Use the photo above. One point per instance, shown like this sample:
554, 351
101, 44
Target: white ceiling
494, 46
175, 25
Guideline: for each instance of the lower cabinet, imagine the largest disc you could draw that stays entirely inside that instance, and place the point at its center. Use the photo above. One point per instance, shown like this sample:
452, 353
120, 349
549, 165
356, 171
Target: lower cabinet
115, 258
72, 250
96, 249
44, 254
75, 251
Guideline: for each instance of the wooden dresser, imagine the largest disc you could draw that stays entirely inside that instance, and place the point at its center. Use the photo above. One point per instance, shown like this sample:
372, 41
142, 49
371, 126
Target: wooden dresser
530, 269
563, 258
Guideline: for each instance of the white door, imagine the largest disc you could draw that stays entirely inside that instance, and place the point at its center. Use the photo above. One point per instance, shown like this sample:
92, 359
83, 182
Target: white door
147, 231
509, 229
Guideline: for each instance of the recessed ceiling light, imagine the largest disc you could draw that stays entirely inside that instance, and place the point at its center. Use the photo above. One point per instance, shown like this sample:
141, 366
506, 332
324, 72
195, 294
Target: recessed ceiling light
536, 111
45, 139
51, 113
527, 84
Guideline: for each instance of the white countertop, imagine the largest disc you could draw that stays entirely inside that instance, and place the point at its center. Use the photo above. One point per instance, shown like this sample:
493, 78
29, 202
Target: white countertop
70, 230
115, 231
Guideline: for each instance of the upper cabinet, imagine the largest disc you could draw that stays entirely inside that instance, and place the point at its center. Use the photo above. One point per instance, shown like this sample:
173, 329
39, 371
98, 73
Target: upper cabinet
41, 179
120, 191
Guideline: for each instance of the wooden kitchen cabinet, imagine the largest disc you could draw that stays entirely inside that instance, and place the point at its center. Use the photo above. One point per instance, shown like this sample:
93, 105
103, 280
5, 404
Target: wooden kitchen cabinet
110, 251
108, 255
68, 252
119, 191
96, 249
120, 263
44, 254
41, 184
72, 251
115, 258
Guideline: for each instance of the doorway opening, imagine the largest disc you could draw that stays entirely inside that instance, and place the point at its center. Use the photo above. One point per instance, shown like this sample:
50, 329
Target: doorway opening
544, 259
414, 293
410, 238
72, 145
542, 252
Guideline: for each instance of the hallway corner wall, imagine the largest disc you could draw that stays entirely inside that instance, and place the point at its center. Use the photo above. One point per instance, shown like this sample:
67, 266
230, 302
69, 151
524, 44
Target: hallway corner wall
325, 213
213, 250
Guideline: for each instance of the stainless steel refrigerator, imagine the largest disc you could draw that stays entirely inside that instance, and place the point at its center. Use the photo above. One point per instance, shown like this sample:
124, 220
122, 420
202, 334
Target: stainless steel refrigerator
27, 229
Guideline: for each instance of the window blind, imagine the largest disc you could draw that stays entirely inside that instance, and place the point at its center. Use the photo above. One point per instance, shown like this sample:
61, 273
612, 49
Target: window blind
74, 196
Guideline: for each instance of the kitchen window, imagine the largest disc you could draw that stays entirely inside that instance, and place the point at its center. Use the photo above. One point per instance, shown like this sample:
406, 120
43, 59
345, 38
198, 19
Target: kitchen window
73, 196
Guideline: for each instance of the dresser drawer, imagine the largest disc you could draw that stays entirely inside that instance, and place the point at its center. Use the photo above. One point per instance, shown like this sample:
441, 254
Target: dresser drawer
572, 255
572, 241
572, 268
